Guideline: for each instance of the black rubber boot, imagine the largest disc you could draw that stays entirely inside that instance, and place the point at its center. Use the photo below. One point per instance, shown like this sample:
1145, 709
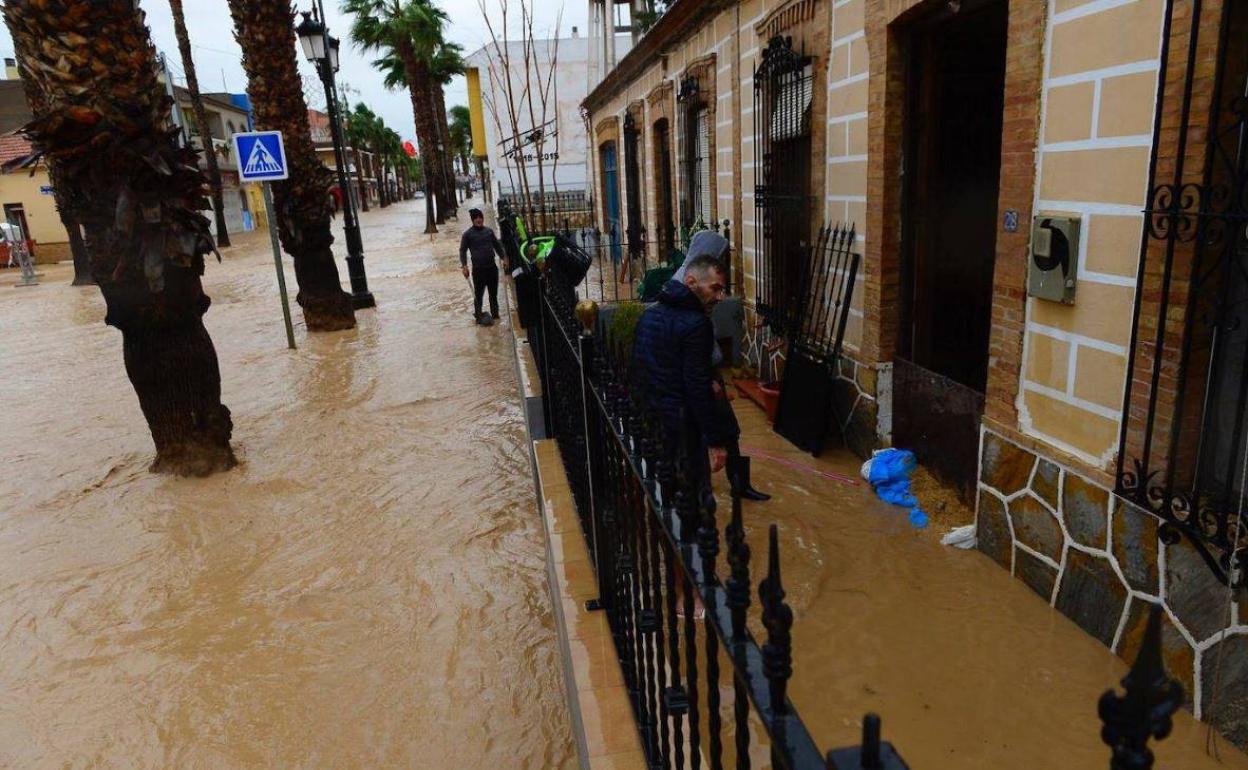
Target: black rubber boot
739, 477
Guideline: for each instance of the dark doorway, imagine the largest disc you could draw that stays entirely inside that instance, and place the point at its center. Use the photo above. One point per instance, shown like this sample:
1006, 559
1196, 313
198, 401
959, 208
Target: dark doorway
955, 85
15, 214
665, 217
632, 188
611, 198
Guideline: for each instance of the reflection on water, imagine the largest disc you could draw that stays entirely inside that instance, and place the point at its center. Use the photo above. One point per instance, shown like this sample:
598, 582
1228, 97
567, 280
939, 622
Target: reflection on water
366, 590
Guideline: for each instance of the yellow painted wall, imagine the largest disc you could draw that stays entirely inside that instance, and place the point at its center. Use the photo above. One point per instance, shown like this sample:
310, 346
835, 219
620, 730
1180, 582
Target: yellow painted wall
1096, 134
845, 196
476, 111
45, 224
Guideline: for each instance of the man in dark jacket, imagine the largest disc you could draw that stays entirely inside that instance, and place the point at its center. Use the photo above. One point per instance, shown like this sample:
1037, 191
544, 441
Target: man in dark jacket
483, 245
672, 364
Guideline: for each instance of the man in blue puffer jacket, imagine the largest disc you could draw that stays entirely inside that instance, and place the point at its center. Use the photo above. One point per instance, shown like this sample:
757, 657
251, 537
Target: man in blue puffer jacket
672, 368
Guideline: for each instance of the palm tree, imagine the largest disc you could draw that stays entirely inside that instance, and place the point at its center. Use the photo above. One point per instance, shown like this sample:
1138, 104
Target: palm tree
103, 124
201, 119
461, 135
368, 127
60, 194
357, 137
446, 63
407, 33
265, 32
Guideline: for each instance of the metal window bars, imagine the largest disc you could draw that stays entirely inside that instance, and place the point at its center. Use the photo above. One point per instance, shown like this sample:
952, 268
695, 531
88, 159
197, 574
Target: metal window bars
695, 153
783, 89
816, 333
1182, 444
655, 551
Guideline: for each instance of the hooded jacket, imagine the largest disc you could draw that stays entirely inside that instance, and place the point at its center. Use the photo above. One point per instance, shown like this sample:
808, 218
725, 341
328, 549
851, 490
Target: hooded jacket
672, 365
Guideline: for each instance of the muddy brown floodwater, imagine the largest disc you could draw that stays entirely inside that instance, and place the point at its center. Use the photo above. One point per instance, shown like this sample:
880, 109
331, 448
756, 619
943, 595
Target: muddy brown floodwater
366, 590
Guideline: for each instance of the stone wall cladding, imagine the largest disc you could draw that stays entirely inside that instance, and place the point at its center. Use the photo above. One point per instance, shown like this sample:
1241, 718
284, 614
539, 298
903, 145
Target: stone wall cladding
1098, 560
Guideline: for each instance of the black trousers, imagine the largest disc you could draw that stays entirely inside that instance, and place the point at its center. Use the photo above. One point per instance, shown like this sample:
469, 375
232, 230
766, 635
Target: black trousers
485, 278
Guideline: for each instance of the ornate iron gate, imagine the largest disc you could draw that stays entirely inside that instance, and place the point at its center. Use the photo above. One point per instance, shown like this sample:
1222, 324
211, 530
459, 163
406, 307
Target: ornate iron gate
1182, 447
783, 88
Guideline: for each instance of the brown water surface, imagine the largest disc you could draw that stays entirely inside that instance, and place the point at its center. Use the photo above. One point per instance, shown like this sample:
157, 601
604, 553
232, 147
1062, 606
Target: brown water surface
366, 590
969, 669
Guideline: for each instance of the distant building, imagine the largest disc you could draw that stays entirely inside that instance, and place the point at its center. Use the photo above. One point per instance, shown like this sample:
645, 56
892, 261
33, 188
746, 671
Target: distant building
564, 165
26, 195
357, 158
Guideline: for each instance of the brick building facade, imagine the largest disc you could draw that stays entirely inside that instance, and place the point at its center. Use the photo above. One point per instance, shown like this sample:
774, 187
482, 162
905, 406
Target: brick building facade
943, 155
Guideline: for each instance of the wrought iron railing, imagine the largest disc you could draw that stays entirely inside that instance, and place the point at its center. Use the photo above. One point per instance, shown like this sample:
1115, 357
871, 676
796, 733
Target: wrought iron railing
656, 548
1185, 411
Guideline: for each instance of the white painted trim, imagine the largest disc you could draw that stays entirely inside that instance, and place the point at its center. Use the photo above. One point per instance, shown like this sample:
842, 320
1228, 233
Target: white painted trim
1109, 279
1075, 338
1068, 398
851, 37
849, 81
1132, 68
846, 198
1071, 361
1090, 207
846, 118
1096, 108
1101, 143
835, 160
1090, 9
1046, 559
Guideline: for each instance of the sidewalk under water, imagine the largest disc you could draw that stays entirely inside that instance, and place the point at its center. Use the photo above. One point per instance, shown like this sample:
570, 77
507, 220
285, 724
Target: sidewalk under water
968, 668
367, 589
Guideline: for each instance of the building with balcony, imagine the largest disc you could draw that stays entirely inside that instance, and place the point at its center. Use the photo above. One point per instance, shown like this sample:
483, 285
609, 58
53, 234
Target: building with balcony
1048, 201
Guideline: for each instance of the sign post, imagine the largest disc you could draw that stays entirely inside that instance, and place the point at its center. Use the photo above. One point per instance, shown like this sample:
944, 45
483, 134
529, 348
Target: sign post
261, 157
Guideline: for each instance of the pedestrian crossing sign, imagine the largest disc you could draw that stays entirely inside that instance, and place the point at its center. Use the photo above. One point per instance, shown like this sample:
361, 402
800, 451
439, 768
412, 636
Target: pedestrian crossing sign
260, 156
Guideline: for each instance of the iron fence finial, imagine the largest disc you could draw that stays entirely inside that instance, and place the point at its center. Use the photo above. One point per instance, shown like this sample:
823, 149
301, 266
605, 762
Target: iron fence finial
1145, 709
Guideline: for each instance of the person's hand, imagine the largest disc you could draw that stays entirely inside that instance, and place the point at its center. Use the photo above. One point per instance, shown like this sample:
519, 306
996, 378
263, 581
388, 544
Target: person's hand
716, 389
719, 457
506, 266
464, 269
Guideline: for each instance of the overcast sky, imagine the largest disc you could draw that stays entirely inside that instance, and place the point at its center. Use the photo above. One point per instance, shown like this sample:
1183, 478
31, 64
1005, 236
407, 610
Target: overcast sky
218, 60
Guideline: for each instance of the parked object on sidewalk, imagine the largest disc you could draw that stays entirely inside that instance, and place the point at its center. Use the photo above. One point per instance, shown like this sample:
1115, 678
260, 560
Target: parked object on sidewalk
960, 537
888, 471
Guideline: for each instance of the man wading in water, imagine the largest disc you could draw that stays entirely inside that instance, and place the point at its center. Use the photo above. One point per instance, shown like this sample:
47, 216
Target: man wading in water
481, 241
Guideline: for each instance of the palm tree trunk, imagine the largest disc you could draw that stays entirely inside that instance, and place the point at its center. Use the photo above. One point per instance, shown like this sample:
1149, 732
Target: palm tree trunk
359, 178
38, 104
383, 192
201, 119
266, 34
102, 124
438, 98
417, 75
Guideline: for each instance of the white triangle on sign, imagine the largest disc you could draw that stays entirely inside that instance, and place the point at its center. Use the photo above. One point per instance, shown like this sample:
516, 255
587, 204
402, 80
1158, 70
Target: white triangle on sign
261, 161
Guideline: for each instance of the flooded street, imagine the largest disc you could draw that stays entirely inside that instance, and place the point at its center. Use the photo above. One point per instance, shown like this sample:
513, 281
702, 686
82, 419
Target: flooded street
367, 589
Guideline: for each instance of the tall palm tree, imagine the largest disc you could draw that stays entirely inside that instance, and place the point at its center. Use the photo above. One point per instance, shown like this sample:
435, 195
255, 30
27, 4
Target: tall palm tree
366, 126
103, 124
266, 33
461, 135
357, 137
201, 119
407, 33
447, 62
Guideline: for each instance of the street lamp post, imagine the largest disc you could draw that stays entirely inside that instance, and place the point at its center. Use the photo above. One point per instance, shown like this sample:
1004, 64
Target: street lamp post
321, 49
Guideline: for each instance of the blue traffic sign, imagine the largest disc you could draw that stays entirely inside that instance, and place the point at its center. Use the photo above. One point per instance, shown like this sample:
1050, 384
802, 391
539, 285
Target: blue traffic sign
261, 156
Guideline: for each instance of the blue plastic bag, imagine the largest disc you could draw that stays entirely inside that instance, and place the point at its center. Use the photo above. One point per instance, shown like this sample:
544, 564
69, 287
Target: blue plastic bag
889, 473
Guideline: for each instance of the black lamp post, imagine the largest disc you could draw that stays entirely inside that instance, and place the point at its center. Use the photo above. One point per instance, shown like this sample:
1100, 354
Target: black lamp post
321, 49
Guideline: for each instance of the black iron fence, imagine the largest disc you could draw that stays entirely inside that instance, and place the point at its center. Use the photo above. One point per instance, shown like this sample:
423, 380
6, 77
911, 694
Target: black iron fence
656, 551
630, 265
1183, 444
